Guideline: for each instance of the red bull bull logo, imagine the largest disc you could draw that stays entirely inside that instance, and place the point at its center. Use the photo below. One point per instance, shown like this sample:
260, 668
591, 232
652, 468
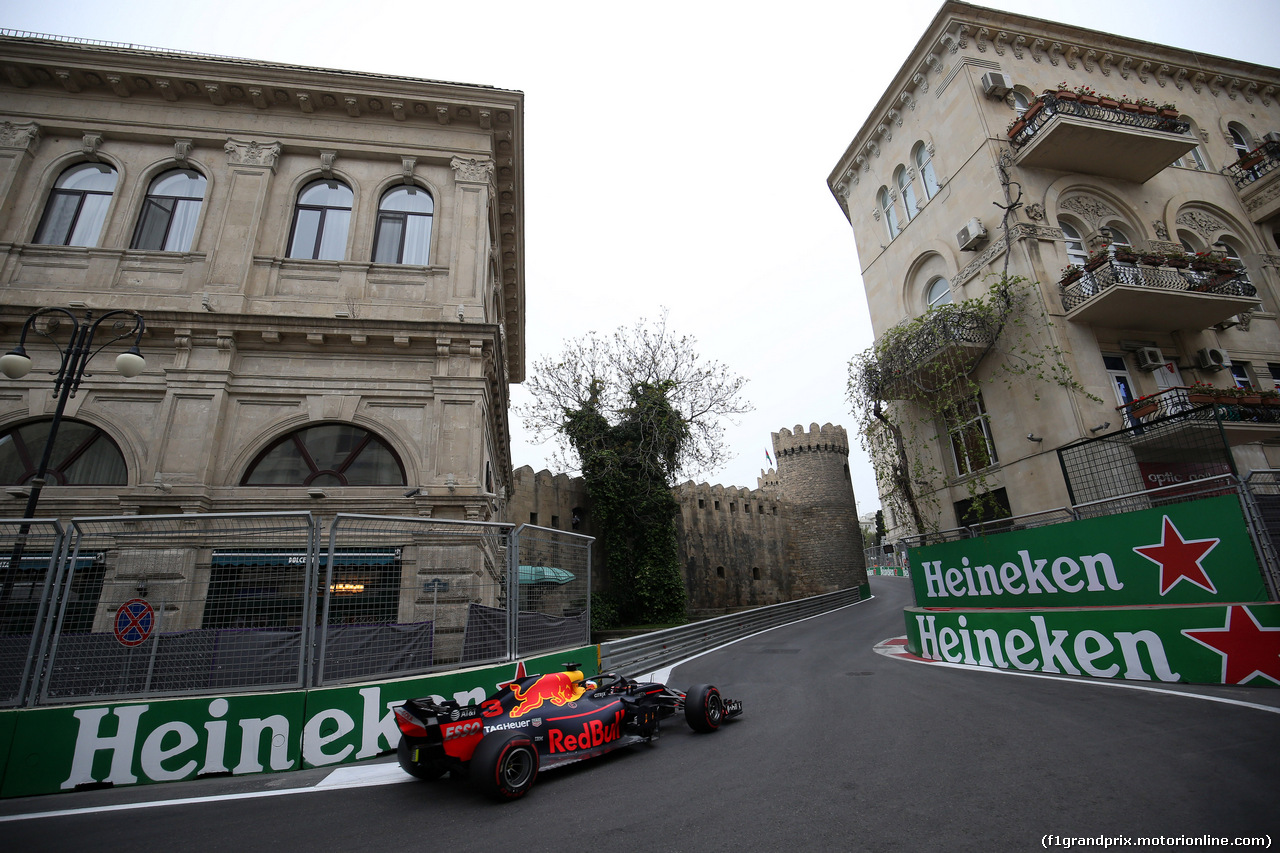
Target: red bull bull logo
559, 689
593, 733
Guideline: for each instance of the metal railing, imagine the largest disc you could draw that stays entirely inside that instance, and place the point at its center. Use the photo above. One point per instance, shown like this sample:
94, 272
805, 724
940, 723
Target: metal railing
1054, 106
134, 607
650, 652
1252, 166
1202, 404
1111, 272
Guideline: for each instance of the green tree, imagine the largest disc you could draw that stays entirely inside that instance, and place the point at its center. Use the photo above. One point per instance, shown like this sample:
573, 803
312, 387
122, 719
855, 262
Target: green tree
632, 412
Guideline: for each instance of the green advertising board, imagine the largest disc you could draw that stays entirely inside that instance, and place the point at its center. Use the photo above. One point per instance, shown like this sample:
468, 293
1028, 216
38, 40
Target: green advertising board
168, 740
1218, 644
1188, 553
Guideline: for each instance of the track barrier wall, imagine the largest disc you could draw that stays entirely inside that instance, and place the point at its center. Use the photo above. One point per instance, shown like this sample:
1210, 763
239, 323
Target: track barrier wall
1175, 585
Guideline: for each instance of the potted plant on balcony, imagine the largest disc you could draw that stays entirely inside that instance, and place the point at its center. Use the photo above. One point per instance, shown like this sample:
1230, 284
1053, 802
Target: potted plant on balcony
1270, 398
1146, 106
1203, 262
1036, 106
1251, 159
1125, 254
1167, 111
1016, 126
1063, 93
1144, 406
1199, 393
1177, 260
1152, 259
1070, 274
1097, 257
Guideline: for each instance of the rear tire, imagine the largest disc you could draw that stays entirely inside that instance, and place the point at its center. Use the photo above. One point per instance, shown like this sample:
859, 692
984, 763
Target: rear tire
505, 765
427, 771
703, 708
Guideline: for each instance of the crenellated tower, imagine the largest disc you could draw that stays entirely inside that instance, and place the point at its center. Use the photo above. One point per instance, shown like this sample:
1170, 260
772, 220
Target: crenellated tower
813, 477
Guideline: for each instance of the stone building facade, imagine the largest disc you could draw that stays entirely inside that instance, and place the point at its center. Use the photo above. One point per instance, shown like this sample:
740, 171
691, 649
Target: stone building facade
330, 267
978, 95
795, 535
329, 263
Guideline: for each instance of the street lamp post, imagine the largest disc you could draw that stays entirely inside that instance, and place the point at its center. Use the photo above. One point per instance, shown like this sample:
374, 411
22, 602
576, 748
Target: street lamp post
75, 358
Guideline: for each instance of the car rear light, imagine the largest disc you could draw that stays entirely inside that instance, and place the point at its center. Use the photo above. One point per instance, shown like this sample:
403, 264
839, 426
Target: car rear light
410, 725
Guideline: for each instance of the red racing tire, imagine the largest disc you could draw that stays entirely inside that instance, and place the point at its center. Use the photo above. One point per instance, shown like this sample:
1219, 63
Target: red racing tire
703, 708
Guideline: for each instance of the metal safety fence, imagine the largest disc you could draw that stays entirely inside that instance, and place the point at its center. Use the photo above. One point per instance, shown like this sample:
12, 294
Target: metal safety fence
132, 607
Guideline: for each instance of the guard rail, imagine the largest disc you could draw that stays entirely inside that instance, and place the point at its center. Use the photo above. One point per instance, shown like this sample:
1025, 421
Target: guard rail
647, 653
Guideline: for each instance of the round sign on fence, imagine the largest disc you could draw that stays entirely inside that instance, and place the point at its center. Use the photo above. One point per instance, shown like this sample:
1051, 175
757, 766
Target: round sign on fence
134, 621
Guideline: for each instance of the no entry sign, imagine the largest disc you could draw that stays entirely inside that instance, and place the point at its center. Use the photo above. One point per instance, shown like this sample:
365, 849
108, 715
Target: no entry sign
134, 621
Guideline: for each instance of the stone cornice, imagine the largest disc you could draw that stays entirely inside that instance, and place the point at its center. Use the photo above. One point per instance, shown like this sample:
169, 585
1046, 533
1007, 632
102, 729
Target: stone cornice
1015, 38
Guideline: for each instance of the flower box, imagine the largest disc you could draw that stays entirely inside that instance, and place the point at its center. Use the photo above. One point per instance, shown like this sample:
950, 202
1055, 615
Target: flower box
1070, 276
1127, 107
1176, 263
1200, 399
1094, 263
1016, 128
1152, 260
1150, 111
1089, 99
1108, 103
1249, 400
1126, 257
1035, 107
1167, 112
1065, 95
1143, 409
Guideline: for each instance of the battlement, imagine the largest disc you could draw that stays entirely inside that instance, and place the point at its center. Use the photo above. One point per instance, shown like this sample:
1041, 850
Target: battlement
525, 474
768, 480
827, 438
689, 490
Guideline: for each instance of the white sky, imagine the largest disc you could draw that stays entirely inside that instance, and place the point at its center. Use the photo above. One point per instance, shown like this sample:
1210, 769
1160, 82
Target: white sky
676, 154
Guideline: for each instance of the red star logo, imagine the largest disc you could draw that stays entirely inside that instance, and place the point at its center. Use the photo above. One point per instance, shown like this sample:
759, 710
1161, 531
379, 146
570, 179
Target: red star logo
520, 673
1246, 647
1179, 558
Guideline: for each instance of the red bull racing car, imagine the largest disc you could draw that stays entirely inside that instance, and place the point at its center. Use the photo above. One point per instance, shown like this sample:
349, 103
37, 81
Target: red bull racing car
542, 721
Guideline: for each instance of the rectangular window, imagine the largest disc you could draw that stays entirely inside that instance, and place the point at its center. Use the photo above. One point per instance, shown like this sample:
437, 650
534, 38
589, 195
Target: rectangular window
555, 521
984, 508
1274, 370
533, 518
970, 434
1240, 373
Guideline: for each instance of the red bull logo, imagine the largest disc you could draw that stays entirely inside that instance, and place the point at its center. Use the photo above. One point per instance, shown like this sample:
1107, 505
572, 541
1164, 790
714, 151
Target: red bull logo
593, 733
558, 688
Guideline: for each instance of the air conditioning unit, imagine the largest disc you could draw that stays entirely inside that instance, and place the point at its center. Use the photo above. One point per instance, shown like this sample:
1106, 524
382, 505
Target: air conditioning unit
1149, 358
1273, 136
1212, 358
995, 84
971, 235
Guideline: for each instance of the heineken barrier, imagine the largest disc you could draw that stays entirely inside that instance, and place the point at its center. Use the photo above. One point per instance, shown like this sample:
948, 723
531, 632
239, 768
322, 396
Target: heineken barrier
1185, 553
1217, 644
47, 750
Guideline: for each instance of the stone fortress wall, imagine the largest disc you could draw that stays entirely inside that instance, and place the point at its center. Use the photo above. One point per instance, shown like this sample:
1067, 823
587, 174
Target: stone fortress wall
795, 535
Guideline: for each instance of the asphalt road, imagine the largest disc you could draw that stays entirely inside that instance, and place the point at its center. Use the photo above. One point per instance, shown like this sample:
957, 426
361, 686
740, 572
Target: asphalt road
840, 749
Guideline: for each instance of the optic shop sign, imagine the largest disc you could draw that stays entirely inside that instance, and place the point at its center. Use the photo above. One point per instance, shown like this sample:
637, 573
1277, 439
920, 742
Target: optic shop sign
1187, 553
1218, 644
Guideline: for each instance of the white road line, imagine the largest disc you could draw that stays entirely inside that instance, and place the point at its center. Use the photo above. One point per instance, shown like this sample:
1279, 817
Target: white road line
366, 776
1087, 682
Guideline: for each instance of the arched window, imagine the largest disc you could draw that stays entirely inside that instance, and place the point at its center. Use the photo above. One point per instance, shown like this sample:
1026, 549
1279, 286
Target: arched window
1076, 253
938, 292
1118, 235
169, 214
82, 455
924, 163
320, 221
1239, 139
403, 234
327, 455
1233, 253
908, 190
890, 212
1020, 102
77, 206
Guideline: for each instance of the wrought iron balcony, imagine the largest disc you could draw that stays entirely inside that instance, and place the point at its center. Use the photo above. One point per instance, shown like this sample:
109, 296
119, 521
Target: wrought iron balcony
1071, 135
1129, 295
1244, 417
948, 345
1257, 179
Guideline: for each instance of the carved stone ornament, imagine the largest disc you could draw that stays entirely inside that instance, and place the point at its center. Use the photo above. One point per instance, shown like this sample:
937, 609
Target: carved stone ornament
182, 151
90, 143
1090, 209
407, 165
1162, 233
327, 158
1201, 223
252, 153
1035, 212
24, 135
472, 169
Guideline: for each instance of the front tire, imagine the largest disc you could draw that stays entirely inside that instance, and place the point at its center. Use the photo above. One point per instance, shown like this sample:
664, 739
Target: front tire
505, 765
427, 771
703, 708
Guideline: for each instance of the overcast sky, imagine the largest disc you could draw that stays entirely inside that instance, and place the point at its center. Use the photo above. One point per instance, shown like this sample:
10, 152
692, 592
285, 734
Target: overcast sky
676, 154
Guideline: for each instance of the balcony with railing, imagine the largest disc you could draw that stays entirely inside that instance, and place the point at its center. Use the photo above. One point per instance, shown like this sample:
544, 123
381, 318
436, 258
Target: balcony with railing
1244, 415
1092, 136
1257, 179
1155, 293
948, 344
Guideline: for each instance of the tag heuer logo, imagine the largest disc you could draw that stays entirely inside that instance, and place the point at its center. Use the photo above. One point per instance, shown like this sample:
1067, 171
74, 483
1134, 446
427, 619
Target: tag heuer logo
537, 721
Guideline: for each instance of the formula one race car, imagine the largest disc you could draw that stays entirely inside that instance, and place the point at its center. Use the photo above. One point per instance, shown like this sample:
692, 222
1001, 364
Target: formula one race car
542, 721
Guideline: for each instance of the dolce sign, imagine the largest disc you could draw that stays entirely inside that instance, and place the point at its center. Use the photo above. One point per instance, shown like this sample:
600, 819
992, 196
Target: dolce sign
1187, 553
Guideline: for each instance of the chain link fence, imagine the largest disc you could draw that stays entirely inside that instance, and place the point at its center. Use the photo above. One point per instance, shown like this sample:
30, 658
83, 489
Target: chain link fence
133, 607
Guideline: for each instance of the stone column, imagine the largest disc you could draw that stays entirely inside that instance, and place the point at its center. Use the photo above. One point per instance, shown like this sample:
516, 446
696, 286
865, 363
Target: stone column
250, 166
473, 187
17, 147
